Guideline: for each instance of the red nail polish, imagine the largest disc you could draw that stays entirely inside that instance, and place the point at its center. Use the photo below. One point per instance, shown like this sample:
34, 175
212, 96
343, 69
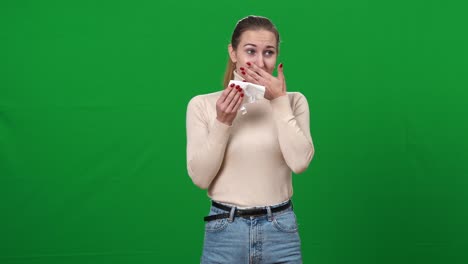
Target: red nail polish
242, 69
248, 63
232, 84
237, 87
243, 73
244, 80
242, 95
281, 65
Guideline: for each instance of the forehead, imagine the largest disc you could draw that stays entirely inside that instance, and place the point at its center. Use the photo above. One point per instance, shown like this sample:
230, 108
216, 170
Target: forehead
261, 38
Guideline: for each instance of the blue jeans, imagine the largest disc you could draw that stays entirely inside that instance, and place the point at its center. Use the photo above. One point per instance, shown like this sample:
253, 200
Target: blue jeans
272, 238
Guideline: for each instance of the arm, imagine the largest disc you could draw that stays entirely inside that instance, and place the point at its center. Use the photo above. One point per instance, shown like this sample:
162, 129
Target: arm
294, 132
293, 128
206, 144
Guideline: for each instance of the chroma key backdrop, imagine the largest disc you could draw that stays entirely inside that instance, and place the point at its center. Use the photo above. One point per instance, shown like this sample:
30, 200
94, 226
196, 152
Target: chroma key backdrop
93, 97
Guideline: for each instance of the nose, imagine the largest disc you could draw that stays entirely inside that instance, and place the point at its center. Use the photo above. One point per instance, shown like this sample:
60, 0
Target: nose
260, 63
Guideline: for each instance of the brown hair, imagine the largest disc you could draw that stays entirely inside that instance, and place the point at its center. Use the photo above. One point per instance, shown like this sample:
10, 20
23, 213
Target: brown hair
247, 23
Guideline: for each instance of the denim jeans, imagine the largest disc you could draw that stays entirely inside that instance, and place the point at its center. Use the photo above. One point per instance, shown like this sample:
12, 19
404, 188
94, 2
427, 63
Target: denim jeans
272, 238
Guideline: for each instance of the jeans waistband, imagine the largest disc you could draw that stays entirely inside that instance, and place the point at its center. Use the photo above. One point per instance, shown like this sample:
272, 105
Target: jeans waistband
252, 207
232, 211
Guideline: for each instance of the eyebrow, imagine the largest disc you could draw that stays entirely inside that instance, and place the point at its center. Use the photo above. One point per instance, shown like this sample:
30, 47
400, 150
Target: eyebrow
269, 46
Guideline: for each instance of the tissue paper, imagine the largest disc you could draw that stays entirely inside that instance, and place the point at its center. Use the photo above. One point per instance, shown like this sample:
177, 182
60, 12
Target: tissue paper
253, 92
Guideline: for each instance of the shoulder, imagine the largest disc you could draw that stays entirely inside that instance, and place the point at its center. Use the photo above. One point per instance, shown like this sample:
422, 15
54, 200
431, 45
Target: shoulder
296, 95
297, 99
203, 102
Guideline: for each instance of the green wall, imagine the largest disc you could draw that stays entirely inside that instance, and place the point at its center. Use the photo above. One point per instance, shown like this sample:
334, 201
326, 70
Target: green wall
93, 97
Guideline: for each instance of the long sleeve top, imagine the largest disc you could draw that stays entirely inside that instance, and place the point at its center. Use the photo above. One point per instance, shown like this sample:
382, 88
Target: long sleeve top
249, 163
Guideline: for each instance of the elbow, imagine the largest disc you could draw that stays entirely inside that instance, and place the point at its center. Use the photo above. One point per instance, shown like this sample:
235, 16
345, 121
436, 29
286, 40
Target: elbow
299, 166
200, 182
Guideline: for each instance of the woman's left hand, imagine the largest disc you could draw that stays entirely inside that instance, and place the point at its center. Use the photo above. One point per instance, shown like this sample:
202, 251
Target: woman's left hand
274, 86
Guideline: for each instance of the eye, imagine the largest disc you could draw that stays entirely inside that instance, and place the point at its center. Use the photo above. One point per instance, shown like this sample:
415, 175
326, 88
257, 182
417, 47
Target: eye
269, 53
250, 51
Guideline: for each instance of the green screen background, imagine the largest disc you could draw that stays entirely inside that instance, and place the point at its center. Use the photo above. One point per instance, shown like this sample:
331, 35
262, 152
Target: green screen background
93, 96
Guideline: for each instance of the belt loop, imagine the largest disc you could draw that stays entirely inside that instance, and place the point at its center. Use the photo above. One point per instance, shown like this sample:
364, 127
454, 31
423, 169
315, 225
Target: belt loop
231, 214
270, 216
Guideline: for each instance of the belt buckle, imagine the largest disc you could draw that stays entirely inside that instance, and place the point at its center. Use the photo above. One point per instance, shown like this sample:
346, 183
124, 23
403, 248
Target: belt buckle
246, 213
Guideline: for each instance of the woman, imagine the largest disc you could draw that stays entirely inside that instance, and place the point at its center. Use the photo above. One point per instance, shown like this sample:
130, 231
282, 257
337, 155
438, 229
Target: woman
246, 161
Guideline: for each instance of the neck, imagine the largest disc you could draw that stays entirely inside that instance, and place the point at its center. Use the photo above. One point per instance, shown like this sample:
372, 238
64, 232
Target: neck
237, 77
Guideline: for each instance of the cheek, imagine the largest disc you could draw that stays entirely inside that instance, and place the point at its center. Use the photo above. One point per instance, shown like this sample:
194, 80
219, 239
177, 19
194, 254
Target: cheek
270, 64
247, 57
240, 60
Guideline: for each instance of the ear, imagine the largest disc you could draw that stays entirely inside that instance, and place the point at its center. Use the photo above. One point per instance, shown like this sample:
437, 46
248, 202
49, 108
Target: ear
232, 53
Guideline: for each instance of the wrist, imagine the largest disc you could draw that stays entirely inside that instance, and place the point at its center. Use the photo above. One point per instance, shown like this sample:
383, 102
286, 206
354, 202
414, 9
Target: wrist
227, 123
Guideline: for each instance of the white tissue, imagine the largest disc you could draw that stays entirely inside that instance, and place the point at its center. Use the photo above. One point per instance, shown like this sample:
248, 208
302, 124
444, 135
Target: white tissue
252, 91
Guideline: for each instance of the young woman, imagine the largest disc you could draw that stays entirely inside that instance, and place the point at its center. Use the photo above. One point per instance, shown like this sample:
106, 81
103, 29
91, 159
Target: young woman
246, 161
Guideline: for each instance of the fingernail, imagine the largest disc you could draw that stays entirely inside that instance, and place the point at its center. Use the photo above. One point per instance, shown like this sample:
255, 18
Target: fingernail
232, 84
281, 65
248, 63
244, 80
243, 73
242, 95
237, 87
242, 69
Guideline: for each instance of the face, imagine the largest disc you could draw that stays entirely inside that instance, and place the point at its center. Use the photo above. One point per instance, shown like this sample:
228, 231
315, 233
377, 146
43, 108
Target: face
255, 46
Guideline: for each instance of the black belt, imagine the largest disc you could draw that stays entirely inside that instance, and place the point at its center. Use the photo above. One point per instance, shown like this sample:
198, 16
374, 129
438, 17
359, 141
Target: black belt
244, 212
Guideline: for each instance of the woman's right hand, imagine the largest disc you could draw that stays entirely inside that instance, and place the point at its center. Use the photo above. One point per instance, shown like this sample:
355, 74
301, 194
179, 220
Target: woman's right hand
228, 104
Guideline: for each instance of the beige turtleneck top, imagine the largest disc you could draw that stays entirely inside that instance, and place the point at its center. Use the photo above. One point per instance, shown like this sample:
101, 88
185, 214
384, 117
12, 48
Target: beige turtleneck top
249, 163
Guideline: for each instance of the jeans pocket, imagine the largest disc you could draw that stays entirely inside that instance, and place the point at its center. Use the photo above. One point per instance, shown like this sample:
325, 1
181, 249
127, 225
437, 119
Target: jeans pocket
216, 225
285, 222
